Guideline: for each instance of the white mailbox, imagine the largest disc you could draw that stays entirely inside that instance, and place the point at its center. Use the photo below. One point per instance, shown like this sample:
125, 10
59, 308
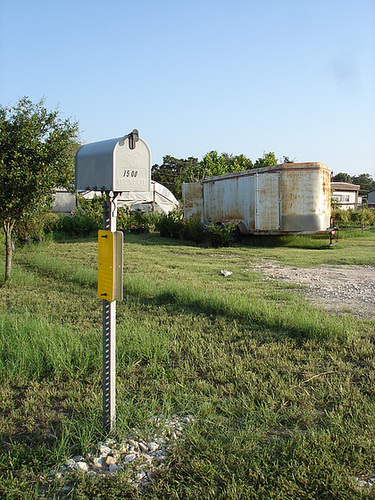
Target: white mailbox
118, 165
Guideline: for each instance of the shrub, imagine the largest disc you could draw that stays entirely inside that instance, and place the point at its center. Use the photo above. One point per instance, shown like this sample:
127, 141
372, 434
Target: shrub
142, 222
171, 225
340, 217
92, 209
220, 235
78, 224
86, 219
365, 217
123, 219
136, 221
32, 228
50, 222
354, 218
194, 230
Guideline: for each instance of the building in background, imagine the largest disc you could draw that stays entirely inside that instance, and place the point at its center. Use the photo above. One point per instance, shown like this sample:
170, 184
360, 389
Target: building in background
371, 198
347, 195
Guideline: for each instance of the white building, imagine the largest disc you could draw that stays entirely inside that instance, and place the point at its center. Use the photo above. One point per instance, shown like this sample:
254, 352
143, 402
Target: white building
347, 195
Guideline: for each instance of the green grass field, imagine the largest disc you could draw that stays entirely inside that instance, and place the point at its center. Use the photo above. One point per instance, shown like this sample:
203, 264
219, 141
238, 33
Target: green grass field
283, 394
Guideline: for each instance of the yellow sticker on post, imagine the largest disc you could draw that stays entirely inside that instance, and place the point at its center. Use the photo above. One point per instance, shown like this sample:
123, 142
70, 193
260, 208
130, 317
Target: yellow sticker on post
110, 265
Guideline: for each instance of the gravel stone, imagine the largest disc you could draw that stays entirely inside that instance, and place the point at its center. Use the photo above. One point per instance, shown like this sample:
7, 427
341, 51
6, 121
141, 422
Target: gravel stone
82, 466
341, 289
113, 468
104, 450
143, 447
363, 482
152, 446
133, 444
140, 476
110, 443
114, 456
98, 462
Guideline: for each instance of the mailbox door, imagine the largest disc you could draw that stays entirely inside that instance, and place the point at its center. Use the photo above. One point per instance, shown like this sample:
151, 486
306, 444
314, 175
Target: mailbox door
132, 167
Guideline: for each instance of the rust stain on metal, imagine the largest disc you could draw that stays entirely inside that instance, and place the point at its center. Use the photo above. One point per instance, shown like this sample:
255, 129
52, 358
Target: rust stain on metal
275, 200
193, 199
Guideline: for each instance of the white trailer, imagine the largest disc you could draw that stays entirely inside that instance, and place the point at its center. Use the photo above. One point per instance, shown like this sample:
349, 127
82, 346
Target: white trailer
292, 198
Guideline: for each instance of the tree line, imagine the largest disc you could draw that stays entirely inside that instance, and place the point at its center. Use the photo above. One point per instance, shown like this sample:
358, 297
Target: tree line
174, 171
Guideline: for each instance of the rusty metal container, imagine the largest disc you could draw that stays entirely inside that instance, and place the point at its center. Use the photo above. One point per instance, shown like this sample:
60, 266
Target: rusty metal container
282, 199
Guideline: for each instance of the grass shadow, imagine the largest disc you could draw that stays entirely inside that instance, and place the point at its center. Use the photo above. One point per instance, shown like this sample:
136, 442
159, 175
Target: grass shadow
266, 322
299, 325
308, 242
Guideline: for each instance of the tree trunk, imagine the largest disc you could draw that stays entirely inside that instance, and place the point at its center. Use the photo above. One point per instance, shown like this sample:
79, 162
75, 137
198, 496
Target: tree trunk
8, 228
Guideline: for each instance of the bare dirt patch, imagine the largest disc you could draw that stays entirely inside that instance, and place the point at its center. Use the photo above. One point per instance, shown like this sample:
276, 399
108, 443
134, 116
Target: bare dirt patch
341, 289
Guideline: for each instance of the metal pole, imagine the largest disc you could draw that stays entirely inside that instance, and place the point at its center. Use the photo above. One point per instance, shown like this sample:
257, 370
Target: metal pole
109, 330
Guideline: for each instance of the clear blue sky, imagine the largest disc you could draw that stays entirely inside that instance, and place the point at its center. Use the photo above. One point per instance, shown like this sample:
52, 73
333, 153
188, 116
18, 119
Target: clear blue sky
296, 77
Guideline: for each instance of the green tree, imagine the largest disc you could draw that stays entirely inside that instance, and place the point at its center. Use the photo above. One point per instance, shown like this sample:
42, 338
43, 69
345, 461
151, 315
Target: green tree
36, 155
214, 163
268, 160
241, 162
365, 181
342, 177
172, 172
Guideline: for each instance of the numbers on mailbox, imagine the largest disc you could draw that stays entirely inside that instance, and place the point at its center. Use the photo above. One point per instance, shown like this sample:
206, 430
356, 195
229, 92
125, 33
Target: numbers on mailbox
130, 173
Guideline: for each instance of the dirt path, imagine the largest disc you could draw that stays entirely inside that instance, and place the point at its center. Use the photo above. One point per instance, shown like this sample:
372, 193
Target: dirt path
342, 289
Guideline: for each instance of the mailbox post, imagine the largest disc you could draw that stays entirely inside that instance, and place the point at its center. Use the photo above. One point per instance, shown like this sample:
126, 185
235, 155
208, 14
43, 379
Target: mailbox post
112, 166
109, 311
